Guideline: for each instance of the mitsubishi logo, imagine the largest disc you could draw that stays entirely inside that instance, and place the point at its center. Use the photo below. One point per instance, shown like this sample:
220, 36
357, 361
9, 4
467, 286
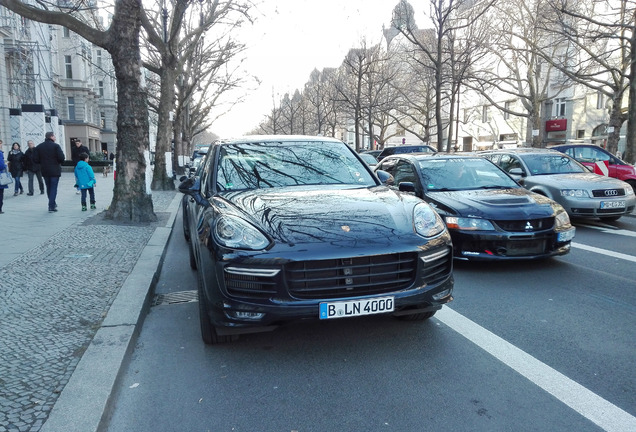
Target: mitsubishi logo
611, 192
529, 226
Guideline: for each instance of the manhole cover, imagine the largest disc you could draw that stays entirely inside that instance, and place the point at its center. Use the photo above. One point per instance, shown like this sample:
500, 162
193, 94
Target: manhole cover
175, 297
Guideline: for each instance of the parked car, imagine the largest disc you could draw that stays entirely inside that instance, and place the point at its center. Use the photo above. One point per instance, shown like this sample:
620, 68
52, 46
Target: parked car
489, 215
561, 178
373, 153
297, 227
189, 207
368, 159
590, 154
388, 151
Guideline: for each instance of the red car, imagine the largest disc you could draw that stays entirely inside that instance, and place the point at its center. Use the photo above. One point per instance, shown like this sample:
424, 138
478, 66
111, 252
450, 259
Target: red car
589, 155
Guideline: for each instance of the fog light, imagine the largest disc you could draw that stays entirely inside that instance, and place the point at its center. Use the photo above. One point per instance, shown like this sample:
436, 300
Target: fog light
440, 295
247, 315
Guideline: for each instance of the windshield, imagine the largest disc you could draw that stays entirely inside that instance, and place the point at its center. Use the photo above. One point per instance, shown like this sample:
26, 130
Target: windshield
463, 174
368, 158
542, 164
267, 165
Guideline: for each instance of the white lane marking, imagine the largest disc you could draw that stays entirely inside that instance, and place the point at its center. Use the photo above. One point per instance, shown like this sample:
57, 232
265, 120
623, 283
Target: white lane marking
591, 406
604, 252
611, 230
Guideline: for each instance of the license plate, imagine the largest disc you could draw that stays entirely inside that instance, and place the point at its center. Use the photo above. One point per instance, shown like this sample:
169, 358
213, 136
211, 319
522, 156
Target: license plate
612, 204
352, 308
566, 235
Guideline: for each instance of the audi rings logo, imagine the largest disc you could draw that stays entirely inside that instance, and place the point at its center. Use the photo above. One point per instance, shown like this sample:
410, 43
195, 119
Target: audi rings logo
611, 192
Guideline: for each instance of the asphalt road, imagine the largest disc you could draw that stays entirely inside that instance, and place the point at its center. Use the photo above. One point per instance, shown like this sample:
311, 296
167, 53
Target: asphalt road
542, 346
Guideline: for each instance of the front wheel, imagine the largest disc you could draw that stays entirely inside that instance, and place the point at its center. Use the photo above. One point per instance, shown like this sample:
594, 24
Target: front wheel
208, 332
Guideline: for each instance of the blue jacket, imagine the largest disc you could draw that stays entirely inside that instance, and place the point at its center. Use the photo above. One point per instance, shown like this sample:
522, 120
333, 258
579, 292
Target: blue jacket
84, 175
3, 167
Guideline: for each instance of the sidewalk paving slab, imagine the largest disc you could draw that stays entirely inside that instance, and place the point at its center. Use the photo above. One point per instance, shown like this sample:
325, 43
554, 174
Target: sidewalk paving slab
73, 294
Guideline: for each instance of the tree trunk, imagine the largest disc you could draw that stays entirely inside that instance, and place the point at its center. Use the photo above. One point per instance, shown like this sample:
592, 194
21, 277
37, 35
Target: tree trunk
131, 200
160, 178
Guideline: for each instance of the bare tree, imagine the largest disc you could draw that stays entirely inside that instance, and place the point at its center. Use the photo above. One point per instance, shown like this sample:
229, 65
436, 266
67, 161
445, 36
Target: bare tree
121, 39
597, 50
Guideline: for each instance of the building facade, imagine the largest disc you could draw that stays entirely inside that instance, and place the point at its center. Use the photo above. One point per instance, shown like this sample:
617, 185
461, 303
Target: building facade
53, 80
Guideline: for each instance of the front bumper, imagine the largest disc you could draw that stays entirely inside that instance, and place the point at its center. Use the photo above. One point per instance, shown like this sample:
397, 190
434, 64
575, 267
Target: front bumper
597, 207
256, 293
489, 245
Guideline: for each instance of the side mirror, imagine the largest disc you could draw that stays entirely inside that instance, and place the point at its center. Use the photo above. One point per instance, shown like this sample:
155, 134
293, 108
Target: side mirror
182, 179
385, 178
407, 187
192, 186
516, 172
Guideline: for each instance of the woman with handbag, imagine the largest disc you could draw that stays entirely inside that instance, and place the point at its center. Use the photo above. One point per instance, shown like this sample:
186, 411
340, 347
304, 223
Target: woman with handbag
3, 167
16, 166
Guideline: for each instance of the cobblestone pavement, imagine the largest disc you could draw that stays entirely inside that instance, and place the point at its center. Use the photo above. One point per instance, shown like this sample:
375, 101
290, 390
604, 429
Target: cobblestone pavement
53, 299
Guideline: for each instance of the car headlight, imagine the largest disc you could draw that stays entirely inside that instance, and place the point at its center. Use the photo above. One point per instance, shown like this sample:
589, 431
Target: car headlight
629, 190
236, 233
561, 219
576, 193
426, 221
469, 224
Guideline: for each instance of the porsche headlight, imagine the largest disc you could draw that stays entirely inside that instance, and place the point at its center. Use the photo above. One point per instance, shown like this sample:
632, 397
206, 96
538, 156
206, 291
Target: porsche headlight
469, 224
426, 221
561, 219
236, 233
576, 193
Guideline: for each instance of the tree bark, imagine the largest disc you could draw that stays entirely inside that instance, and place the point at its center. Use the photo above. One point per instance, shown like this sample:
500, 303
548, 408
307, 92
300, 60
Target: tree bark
131, 200
160, 178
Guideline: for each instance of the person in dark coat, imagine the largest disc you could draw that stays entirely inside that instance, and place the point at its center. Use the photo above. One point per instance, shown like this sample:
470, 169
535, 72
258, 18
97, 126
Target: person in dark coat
76, 149
3, 167
32, 168
50, 156
16, 167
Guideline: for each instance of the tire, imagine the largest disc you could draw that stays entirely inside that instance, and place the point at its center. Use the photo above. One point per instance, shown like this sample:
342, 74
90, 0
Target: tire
186, 230
208, 333
422, 316
193, 260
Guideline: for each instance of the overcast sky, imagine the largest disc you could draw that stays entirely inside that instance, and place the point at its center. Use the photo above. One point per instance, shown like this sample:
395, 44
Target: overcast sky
292, 37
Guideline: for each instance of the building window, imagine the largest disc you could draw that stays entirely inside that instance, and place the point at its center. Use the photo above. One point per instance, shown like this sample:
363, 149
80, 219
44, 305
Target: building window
98, 60
600, 100
580, 134
465, 115
102, 120
66, 32
100, 85
484, 114
69, 66
507, 106
71, 107
559, 107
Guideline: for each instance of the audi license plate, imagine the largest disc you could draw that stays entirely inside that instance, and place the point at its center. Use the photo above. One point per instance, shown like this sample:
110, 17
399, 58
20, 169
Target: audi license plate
612, 204
353, 308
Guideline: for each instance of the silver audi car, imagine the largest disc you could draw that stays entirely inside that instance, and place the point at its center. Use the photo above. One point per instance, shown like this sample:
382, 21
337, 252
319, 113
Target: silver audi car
582, 193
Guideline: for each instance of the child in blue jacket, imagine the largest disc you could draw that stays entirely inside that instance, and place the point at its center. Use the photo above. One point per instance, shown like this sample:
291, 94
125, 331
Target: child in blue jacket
85, 180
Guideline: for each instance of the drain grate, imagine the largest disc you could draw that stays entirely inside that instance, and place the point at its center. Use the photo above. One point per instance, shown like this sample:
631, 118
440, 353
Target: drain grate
174, 298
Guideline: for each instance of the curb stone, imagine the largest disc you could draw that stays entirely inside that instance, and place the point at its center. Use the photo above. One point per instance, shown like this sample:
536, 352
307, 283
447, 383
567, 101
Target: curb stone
85, 402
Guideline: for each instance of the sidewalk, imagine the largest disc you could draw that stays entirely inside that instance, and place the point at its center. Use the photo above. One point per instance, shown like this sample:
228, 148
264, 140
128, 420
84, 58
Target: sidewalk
73, 288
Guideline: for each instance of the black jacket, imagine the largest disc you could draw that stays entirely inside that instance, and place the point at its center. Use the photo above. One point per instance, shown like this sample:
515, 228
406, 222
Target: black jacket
16, 163
50, 156
76, 151
29, 163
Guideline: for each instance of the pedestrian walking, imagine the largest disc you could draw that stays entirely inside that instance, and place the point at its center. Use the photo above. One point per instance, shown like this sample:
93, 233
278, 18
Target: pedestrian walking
50, 156
16, 167
3, 167
76, 149
32, 168
85, 180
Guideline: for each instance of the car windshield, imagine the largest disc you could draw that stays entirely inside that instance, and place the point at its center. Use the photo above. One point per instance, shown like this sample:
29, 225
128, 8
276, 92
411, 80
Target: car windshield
368, 158
543, 164
280, 164
462, 174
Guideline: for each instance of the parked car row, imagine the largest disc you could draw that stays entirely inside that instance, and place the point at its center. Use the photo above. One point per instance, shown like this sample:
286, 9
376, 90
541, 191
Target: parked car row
282, 228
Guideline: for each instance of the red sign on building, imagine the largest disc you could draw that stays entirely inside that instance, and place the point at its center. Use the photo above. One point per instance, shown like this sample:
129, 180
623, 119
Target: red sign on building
556, 125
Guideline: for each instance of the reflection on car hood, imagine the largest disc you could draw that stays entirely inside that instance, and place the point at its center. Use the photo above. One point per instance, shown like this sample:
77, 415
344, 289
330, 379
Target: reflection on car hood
494, 204
576, 181
366, 216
